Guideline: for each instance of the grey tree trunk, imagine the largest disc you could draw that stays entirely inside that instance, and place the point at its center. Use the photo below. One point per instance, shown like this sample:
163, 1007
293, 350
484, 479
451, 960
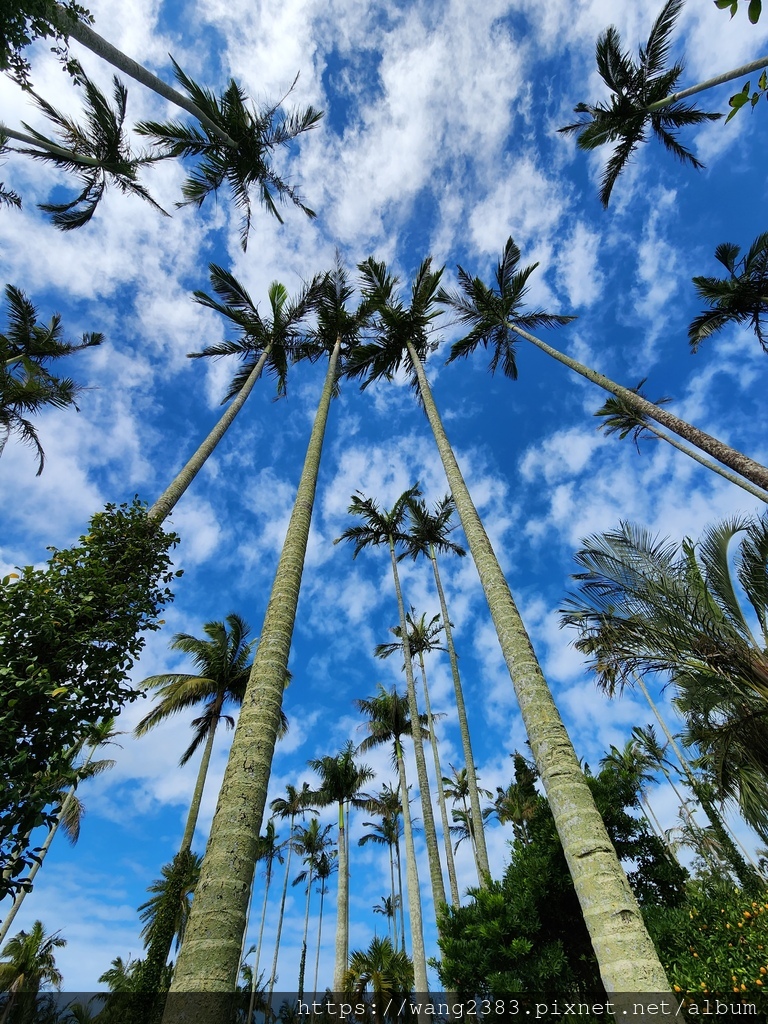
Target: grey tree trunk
92, 41
208, 961
197, 796
414, 895
730, 457
165, 504
67, 154
452, 881
728, 76
276, 954
342, 904
430, 832
625, 954
483, 867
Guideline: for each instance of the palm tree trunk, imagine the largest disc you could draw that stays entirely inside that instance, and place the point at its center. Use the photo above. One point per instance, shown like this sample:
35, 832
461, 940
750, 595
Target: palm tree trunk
319, 938
626, 956
255, 972
454, 885
732, 477
394, 895
412, 883
342, 904
430, 832
484, 869
208, 958
306, 931
164, 505
197, 796
40, 855
730, 457
273, 974
92, 41
728, 76
50, 147
400, 891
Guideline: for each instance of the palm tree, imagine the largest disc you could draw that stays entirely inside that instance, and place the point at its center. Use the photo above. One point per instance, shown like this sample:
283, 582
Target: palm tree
428, 535
518, 802
740, 298
171, 897
647, 605
495, 319
260, 341
26, 384
245, 160
341, 779
387, 907
621, 418
387, 833
643, 98
30, 965
389, 720
312, 841
387, 972
268, 850
327, 864
71, 811
296, 803
423, 637
209, 958
224, 664
387, 527
627, 958
457, 788
98, 153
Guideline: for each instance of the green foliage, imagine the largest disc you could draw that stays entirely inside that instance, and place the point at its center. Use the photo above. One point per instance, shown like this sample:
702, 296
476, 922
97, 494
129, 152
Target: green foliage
743, 97
526, 932
754, 9
23, 21
69, 635
715, 942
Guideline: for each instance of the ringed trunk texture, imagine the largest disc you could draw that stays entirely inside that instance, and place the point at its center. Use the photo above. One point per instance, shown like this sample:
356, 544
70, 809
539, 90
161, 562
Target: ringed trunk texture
450, 864
165, 504
412, 884
626, 956
97, 44
484, 870
209, 957
726, 474
731, 457
342, 904
430, 832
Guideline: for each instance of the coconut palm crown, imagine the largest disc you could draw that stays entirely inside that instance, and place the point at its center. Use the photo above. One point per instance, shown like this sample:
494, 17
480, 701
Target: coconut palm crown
493, 312
256, 134
740, 298
634, 107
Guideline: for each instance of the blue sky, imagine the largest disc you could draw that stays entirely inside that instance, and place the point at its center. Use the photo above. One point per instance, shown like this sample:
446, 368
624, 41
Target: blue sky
439, 137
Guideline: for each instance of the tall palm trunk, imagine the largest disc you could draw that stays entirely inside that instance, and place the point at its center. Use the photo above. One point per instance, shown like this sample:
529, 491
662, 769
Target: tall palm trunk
276, 954
302, 965
67, 154
400, 891
342, 908
626, 956
430, 833
708, 464
483, 867
208, 961
412, 883
70, 26
255, 972
454, 885
164, 505
730, 457
319, 938
728, 76
197, 795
